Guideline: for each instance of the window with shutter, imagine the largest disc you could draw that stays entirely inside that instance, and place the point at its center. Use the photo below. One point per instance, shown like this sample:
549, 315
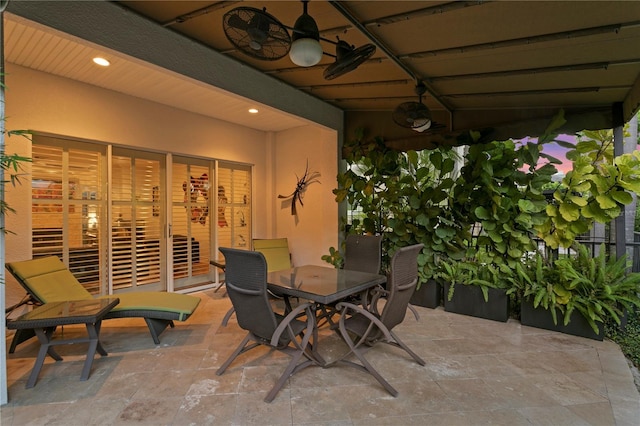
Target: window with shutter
234, 206
68, 207
136, 228
191, 189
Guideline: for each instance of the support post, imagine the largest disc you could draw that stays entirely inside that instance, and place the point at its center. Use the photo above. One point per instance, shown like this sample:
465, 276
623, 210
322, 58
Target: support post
618, 149
3, 345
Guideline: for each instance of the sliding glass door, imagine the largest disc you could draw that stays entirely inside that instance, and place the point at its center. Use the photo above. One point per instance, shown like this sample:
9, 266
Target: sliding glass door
68, 207
121, 223
137, 237
192, 188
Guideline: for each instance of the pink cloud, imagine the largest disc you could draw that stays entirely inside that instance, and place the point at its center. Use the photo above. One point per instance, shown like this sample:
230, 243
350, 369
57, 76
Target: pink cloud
556, 151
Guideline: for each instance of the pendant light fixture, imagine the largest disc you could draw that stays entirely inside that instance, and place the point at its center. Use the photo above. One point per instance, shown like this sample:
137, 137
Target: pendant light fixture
306, 50
260, 35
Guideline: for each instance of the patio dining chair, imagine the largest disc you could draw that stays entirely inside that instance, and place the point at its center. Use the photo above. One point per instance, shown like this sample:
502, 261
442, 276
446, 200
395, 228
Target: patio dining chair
363, 327
277, 255
363, 253
276, 252
246, 280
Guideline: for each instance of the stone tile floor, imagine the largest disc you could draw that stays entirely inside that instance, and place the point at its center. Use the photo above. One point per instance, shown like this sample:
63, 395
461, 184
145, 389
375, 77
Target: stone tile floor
478, 372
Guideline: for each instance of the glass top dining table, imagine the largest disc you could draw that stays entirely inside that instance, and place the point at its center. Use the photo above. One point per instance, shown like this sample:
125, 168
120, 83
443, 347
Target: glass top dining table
321, 284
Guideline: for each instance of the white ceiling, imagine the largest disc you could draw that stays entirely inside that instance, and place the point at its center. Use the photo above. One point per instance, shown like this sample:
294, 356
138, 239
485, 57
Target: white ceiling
41, 48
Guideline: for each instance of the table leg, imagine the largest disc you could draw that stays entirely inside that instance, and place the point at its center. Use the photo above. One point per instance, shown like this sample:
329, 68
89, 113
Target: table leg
100, 348
49, 336
44, 336
94, 344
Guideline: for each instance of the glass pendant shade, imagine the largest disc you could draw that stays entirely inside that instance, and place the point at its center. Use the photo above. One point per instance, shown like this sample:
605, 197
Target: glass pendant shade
422, 127
305, 52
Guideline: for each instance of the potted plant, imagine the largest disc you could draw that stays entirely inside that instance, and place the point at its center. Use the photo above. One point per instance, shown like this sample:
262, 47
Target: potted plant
428, 294
577, 294
476, 289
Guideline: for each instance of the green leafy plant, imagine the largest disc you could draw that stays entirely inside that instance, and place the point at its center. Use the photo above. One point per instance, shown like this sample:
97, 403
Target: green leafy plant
488, 210
470, 272
599, 288
500, 197
627, 337
403, 196
13, 164
595, 190
334, 258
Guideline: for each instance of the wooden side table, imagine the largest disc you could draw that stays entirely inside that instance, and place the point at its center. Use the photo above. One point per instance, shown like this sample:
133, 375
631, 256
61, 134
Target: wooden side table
44, 319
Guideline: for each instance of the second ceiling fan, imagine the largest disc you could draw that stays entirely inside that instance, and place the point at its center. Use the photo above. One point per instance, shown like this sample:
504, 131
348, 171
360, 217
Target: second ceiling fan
260, 35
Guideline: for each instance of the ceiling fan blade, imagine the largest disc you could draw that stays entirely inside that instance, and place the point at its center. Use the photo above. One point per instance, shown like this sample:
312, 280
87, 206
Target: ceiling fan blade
256, 33
412, 115
236, 22
348, 59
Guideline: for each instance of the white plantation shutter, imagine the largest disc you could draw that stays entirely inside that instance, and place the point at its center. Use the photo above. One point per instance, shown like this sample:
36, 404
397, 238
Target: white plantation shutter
234, 206
136, 237
116, 241
68, 207
191, 190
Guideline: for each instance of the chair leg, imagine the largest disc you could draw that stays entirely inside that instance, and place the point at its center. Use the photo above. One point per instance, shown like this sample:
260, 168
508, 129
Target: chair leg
227, 316
327, 315
402, 345
21, 335
293, 365
240, 349
157, 326
365, 365
415, 312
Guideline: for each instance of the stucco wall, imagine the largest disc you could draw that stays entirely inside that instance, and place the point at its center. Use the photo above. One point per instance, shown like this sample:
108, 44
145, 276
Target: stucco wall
51, 104
314, 229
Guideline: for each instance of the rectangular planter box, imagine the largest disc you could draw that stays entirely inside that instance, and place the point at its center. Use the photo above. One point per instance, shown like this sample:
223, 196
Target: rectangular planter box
429, 295
468, 300
541, 318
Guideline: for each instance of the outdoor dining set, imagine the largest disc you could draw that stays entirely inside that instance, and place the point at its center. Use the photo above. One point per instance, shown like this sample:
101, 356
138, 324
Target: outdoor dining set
355, 301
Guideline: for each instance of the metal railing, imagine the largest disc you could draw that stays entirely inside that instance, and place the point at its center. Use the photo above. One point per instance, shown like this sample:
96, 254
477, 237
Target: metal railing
593, 245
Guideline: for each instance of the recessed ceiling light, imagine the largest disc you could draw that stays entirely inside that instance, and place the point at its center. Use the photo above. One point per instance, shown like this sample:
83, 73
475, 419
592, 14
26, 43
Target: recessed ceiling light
253, 110
101, 61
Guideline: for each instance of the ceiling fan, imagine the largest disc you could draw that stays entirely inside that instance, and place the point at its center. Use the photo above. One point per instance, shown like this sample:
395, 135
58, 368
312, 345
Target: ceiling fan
414, 115
260, 35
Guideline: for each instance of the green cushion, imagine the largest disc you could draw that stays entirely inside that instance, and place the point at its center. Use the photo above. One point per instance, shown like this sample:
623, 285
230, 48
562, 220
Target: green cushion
181, 304
57, 286
49, 280
276, 253
31, 268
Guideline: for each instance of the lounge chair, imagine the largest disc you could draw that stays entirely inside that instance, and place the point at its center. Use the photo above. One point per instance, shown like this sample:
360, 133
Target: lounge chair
246, 278
47, 279
363, 327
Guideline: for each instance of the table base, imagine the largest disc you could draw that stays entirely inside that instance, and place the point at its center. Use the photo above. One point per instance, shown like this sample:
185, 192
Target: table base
45, 336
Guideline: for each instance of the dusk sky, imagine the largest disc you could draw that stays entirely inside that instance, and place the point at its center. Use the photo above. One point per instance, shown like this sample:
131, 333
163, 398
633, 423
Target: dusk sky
556, 151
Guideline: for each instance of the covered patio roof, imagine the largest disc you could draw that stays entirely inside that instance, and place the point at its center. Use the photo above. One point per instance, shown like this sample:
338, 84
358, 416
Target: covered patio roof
498, 65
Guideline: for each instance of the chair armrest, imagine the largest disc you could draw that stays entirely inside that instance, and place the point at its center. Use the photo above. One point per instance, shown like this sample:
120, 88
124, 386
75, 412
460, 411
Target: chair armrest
290, 317
345, 306
376, 293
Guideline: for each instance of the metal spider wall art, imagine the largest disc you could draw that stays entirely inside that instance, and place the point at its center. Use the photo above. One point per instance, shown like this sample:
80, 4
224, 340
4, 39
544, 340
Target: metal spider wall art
303, 182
